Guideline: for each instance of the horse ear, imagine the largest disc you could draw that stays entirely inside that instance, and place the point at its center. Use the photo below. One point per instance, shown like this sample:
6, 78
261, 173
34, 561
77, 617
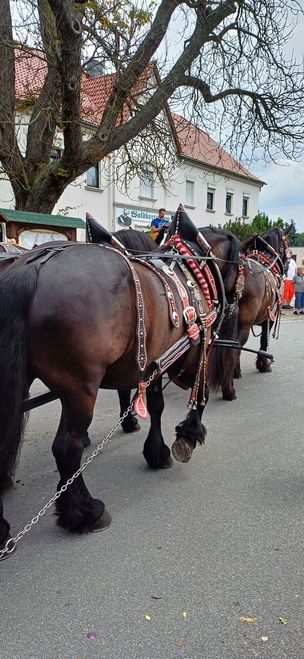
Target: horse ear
287, 230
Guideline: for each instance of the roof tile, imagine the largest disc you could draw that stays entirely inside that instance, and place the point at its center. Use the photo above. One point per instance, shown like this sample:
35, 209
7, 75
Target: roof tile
193, 143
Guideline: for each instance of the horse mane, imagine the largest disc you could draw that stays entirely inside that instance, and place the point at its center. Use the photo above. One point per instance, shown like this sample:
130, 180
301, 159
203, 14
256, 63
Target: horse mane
136, 242
272, 237
232, 257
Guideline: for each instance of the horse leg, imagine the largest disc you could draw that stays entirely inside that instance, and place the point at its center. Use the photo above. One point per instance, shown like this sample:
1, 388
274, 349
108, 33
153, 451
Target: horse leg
237, 373
228, 389
77, 511
86, 440
243, 338
156, 452
263, 363
130, 423
191, 431
4, 533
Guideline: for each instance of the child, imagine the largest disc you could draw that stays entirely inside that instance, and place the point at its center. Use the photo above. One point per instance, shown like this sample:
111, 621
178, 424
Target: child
298, 282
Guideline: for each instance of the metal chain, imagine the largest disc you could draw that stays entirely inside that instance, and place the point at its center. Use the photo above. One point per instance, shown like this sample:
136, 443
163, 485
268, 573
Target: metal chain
11, 543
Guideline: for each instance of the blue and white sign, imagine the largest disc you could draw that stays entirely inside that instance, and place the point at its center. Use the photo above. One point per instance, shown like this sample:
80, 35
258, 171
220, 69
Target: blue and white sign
135, 218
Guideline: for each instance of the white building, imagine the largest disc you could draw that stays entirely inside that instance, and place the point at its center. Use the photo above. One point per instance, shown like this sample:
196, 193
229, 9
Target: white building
212, 186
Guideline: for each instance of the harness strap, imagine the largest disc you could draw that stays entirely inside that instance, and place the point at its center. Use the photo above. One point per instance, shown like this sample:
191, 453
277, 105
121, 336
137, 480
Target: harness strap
255, 255
140, 322
170, 296
172, 354
273, 284
189, 312
183, 250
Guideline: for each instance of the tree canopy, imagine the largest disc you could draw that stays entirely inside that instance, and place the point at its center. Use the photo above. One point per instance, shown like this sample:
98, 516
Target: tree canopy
223, 63
260, 224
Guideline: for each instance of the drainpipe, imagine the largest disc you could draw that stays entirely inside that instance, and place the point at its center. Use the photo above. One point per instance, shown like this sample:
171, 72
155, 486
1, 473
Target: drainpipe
111, 195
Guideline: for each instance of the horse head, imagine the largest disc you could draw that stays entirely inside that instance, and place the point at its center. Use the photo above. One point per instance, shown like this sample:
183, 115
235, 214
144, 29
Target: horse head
274, 241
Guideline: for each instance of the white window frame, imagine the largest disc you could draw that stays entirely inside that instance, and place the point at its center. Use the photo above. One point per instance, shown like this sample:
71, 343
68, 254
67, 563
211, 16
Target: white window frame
246, 199
147, 183
89, 182
229, 194
190, 193
210, 191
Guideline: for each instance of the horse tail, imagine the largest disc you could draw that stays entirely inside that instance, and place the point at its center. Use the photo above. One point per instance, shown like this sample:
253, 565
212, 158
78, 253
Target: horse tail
221, 361
17, 289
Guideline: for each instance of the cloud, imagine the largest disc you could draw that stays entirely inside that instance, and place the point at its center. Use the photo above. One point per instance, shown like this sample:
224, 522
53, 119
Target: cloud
283, 195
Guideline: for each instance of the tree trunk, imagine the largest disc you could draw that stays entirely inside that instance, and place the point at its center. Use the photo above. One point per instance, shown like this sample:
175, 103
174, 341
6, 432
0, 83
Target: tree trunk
44, 193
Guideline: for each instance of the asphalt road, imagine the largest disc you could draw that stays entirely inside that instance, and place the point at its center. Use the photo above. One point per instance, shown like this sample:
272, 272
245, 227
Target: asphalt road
204, 560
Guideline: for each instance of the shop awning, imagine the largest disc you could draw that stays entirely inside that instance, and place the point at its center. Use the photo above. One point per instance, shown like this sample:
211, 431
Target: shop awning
27, 217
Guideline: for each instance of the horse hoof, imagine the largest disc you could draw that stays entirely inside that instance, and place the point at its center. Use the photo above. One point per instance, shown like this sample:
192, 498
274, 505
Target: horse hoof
263, 367
132, 428
168, 464
229, 396
181, 450
103, 522
10, 551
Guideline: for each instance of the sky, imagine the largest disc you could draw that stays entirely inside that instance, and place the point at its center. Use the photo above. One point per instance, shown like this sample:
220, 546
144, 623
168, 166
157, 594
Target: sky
283, 196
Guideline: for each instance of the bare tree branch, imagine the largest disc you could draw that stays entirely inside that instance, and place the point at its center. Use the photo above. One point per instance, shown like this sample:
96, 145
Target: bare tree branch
45, 112
228, 70
10, 154
69, 30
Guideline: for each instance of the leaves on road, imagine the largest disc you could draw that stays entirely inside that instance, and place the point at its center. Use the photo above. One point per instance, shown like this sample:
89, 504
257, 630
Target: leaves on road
247, 619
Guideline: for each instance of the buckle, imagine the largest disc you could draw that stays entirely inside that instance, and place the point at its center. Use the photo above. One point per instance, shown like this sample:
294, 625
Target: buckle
189, 314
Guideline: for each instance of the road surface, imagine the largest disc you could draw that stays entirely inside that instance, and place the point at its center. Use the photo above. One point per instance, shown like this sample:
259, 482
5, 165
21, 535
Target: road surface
204, 560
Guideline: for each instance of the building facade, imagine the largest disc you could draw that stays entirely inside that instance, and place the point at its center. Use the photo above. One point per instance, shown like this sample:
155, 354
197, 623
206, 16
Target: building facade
211, 185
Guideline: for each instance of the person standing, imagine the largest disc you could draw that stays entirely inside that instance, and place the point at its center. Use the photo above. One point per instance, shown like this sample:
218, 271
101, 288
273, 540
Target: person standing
290, 270
298, 284
157, 223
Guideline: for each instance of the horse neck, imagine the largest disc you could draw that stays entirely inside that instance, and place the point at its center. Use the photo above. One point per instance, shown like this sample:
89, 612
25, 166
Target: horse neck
229, 270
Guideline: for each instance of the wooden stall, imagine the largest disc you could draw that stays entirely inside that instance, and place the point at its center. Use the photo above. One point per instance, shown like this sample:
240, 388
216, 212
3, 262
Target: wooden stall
29, 229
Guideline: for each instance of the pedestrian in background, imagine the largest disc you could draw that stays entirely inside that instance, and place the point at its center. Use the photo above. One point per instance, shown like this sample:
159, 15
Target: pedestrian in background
158, 223
298, 284
290, 270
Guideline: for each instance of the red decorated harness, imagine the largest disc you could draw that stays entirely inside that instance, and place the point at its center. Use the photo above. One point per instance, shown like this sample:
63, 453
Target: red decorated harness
199, 288
273, 280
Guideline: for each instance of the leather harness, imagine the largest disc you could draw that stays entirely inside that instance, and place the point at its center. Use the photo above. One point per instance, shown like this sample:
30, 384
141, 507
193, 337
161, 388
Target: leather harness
200, 286
273, 271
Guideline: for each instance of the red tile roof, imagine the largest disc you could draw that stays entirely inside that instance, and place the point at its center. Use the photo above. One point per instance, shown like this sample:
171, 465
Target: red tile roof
195, 144
30, 71
192, 142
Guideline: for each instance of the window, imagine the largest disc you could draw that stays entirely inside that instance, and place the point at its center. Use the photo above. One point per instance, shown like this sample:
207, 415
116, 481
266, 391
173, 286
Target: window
55, 154
147, 183
210, 199
245, 206
189, 193
93, 176
229, 197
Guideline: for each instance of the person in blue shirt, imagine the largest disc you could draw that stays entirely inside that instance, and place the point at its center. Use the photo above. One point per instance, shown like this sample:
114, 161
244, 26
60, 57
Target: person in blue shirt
158, 223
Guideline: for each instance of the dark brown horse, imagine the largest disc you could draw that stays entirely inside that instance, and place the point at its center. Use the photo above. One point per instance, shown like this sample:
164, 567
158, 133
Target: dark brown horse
73, 317
226, 247
9, 254
259, 304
